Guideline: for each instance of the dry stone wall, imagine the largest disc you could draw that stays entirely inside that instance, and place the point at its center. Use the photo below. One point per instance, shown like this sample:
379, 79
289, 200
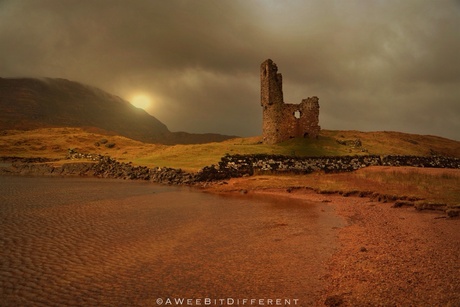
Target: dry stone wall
230, 166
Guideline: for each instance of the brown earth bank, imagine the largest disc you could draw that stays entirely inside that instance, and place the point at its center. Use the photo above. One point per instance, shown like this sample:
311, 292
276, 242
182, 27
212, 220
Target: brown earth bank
387, 256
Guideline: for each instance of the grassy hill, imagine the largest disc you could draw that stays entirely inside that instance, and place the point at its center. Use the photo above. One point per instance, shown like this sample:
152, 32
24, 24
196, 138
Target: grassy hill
55, 142
28, 103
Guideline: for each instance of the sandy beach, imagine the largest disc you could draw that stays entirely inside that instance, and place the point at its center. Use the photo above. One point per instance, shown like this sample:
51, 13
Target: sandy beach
134, 243
387, 256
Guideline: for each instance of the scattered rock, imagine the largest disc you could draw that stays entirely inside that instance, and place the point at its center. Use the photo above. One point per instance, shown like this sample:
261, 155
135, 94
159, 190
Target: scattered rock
421, 205
353, 143
365, 193
402, 203
351, 193
334, 300
358, 143
453, 212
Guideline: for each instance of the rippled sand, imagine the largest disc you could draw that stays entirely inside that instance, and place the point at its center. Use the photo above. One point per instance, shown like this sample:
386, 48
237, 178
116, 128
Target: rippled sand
91, 242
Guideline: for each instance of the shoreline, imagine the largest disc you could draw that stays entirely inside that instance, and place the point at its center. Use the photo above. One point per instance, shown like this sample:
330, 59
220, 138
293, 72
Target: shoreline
387, 256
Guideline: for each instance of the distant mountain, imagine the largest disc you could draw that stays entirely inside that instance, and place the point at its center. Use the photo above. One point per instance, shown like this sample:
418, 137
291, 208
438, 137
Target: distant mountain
28, 103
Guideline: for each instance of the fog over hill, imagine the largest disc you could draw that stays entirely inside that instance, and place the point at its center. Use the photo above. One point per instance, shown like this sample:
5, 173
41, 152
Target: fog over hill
374, 65
27, 103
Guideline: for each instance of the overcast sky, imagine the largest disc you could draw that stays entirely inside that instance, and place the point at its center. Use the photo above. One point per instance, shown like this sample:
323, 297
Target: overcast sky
375, 65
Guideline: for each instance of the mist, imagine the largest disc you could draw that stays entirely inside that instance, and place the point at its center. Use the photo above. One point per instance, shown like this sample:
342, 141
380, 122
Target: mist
375, 65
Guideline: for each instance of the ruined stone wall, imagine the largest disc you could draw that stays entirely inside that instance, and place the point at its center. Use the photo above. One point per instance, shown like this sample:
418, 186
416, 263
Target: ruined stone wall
283, 121
301, 119
230, 166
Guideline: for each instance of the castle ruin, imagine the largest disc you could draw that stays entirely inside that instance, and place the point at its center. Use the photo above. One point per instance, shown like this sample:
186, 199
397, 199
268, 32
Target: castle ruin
282, 121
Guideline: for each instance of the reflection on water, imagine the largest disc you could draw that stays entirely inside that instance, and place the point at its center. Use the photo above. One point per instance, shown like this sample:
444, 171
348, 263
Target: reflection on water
101, 242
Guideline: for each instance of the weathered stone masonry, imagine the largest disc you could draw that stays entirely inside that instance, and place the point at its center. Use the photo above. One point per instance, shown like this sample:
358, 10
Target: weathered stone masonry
230, 166
282, 121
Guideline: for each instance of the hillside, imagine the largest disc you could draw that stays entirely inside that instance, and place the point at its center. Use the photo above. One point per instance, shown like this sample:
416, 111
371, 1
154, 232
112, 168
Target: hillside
54, 143
40, 103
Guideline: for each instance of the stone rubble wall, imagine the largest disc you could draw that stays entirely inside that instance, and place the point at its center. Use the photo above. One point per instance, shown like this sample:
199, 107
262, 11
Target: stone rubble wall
100, 166
107, 167
230, 166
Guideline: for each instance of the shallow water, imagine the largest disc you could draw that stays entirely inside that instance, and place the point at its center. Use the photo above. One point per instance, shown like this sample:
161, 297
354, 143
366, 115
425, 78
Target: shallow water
89, 242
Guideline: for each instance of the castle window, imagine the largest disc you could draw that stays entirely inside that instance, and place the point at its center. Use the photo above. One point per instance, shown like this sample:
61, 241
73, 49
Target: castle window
297, 114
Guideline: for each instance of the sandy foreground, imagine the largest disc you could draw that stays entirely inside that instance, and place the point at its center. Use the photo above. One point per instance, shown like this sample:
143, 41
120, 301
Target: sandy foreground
387, 256
92, 242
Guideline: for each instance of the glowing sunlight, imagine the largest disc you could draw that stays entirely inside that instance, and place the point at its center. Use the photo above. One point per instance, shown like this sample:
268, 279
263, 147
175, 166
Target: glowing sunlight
141, 101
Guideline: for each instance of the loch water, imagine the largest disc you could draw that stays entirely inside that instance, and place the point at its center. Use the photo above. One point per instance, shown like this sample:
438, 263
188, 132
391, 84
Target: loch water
99, 242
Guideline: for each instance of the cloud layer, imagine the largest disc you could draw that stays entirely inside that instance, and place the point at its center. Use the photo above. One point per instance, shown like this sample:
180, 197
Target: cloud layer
375, 65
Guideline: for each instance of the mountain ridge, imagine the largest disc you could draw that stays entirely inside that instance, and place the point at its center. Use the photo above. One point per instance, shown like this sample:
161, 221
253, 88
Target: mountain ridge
31, 103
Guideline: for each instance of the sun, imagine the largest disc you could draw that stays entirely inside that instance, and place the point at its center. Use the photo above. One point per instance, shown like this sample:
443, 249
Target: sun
141, 101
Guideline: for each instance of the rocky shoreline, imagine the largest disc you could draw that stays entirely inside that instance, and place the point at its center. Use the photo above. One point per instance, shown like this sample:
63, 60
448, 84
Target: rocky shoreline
233, 166
230, 166
387, 256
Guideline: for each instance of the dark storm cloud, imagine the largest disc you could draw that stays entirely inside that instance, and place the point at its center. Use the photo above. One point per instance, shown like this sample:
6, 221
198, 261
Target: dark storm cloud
376, 65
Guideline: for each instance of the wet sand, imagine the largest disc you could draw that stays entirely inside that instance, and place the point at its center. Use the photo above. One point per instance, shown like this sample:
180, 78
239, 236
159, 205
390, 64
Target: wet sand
395, 256
389, 256
89, 242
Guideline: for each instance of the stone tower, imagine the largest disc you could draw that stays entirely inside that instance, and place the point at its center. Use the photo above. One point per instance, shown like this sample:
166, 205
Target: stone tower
282, 121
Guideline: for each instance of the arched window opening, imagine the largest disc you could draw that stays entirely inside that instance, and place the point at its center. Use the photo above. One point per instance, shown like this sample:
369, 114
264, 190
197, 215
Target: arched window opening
297, 114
